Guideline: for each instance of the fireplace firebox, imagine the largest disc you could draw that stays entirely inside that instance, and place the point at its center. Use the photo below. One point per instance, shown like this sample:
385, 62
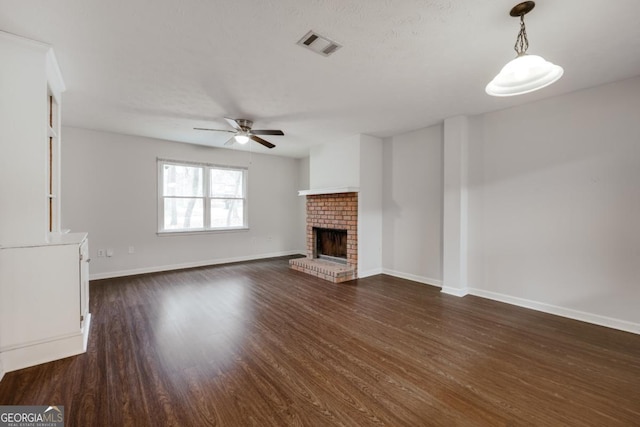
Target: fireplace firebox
331, 244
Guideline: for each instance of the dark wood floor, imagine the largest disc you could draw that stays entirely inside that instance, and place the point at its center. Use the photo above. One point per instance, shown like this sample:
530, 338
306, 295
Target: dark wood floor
258, 344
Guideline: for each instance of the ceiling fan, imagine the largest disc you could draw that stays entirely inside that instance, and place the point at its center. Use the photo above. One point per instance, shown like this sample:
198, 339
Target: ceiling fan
243, 132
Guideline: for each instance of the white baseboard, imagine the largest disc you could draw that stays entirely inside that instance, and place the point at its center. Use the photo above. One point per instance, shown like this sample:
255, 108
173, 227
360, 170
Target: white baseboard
413, 277
160, 268
457, 292
582, 316
369, 273
42, 352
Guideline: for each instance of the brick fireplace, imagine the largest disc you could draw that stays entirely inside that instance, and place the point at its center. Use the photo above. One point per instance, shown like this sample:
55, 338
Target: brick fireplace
338, 211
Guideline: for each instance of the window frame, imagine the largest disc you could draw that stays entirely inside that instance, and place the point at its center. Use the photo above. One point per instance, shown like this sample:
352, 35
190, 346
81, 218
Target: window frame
206, 197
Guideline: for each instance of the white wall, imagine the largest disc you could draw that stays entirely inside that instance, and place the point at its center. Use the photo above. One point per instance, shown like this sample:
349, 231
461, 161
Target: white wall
412, 205
109, 189
303, 184
370, 207
336, 164
555, 204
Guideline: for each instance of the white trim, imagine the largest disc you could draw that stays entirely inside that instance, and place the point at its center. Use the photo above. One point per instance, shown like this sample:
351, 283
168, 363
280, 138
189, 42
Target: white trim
33, 43
1, 369
54, 76
37, 342
334, 190
204, 263
45, 351
193, 163
369, 273
622, 325
200, 231
582, 316
414, 278
159, 191
456, 292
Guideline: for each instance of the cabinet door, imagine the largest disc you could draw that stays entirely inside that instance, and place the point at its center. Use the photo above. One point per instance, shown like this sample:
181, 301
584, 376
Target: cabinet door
39, 300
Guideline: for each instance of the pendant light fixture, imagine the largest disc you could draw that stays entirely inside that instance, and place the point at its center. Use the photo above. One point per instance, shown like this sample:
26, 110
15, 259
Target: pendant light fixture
526, 73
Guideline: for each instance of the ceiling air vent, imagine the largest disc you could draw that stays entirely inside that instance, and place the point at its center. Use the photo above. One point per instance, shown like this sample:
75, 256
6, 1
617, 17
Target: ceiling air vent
319, 44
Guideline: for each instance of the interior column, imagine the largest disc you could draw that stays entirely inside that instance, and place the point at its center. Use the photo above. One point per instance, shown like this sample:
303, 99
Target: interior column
454, 254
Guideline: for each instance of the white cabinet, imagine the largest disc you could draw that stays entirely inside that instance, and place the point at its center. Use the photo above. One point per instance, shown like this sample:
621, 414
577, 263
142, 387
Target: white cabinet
30, 100
44, 299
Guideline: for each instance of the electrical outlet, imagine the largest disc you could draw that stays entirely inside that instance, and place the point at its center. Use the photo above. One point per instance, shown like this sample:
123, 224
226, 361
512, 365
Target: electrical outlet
132, 250
109, 253
100, 252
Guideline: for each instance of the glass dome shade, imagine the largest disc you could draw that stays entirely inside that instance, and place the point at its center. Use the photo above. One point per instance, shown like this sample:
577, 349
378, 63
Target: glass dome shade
524, 74
242, 139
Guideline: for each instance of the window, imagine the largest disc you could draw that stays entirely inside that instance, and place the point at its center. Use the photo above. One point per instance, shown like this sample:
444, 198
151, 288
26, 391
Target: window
200, 197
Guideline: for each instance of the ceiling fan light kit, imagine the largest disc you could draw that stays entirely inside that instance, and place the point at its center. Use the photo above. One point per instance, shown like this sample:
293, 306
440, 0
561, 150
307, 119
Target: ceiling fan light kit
526, 73
243, 132
241, 138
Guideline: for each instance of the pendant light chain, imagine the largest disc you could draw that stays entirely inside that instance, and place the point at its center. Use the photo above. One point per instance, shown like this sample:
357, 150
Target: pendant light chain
522, 42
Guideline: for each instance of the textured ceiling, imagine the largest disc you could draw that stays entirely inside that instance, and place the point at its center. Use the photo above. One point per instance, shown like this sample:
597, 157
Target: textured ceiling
160, 68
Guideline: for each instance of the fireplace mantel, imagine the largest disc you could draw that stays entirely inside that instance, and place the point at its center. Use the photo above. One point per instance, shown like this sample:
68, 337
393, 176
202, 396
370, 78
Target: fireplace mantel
333, 190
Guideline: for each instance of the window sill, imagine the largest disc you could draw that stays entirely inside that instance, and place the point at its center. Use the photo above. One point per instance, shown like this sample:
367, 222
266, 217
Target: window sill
196, 232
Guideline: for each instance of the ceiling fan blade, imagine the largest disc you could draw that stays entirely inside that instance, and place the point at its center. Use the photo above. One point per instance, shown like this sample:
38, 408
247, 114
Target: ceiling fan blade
267, 132
261, 141
234, 124
215, 130
230, 140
